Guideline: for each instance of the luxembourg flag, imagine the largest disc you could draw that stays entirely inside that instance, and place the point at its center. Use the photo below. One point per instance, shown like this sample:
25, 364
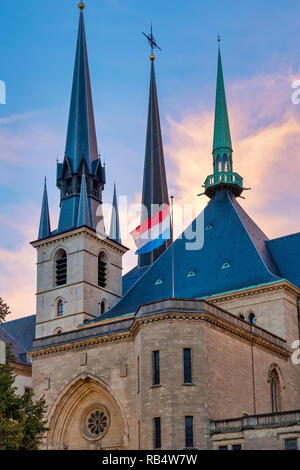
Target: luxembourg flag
154, 232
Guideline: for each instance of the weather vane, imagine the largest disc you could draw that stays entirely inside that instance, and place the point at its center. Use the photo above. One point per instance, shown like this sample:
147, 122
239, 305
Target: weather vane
152, 43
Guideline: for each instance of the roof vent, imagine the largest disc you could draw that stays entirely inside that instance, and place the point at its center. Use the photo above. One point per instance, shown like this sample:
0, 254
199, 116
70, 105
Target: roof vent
158, 282
225, 266
191, 274
208, 227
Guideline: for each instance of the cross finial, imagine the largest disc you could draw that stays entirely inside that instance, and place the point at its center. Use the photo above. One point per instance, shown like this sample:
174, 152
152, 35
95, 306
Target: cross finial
152, 43
219, 39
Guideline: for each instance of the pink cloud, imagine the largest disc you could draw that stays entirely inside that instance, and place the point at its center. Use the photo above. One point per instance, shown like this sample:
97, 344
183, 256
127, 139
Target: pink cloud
265, 128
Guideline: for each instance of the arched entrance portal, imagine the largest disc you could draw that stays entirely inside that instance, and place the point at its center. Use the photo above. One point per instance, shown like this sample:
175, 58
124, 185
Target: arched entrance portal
87, 416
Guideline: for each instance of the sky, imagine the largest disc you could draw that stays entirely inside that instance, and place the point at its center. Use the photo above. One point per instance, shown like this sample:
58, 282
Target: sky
260, 46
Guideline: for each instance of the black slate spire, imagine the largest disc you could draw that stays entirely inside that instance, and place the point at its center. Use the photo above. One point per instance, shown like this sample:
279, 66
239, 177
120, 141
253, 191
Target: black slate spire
155, 189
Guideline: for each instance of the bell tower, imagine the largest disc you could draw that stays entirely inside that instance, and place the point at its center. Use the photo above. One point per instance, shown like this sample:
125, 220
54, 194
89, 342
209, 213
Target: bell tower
79, 271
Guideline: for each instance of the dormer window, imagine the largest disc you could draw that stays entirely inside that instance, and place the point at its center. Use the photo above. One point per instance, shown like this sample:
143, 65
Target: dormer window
68, 186
225, 265
191, 274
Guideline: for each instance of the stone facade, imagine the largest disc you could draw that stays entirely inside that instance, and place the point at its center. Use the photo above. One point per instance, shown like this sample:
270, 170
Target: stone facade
110, 364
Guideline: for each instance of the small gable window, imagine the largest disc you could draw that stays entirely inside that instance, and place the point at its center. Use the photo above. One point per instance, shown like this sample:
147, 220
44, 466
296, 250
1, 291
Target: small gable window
60, 308
61, 268
191, 274
158, 282
208, 227
225, 265
102, 270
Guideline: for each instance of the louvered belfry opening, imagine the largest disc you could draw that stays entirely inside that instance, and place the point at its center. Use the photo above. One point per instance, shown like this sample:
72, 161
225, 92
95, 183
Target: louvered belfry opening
61, 268
102, 270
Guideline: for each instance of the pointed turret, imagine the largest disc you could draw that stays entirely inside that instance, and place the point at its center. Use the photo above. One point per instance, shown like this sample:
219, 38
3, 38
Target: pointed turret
83, 208
44, 229
115, 233
222, 138
81, 152
223, 176
81, 136
155, 189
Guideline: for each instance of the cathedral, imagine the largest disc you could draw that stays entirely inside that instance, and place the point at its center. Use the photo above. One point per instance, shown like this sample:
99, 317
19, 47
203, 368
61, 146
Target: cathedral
201, 356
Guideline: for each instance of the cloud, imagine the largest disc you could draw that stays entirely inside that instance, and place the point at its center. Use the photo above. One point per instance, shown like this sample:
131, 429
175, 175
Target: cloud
265, 128
18, 265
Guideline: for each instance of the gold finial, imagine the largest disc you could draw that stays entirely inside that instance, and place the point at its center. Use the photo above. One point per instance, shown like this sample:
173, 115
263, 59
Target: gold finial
152, 57
81, 6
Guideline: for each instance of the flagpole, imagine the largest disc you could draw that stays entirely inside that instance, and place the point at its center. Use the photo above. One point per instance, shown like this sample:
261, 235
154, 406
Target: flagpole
172, 248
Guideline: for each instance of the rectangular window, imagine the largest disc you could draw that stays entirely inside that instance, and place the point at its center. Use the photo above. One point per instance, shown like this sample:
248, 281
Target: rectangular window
187, 365
156, 369
189, 432
223, 447
138, 374
157, 433
236, 447
291, 444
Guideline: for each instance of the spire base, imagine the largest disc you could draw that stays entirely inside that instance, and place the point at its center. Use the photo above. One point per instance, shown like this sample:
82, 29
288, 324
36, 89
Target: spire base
223, 180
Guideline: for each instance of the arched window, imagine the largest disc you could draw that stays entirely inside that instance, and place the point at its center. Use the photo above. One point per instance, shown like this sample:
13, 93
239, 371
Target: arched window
102, 307
241, 316
60, 308
252, 319
102, 268
275, 391
225, 162
58, 331
219, 163
61, 268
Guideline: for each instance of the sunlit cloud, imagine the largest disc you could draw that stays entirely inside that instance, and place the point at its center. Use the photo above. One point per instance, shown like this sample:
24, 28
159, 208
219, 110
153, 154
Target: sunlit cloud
265, 128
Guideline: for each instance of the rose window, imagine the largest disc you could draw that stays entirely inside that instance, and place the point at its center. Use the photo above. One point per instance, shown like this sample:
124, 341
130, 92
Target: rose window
95, 422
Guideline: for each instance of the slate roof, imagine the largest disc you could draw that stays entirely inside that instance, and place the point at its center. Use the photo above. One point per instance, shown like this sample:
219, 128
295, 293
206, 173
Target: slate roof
286, 253
21, 330
16, 349
230, 236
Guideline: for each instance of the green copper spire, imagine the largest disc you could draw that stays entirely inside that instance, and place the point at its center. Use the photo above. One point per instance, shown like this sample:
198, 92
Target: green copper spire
44, 229
223, 176
222, 138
